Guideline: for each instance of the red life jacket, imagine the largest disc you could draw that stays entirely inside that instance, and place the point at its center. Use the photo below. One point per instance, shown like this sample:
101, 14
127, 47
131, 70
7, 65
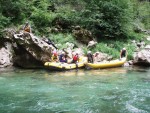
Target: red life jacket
75, 58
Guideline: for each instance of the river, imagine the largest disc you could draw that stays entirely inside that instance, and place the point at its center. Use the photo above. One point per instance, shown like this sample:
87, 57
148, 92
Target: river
115, 90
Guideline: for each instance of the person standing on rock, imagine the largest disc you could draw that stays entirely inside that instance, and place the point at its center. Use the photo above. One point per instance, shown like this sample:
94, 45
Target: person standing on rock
123, 53
27, 28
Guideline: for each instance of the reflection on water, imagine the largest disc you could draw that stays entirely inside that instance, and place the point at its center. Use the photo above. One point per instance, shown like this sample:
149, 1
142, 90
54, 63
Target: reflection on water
114, 90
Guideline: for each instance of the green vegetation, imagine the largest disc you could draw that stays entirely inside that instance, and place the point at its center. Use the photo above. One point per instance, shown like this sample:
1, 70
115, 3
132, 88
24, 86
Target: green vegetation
62, 39
108, 20
113, 48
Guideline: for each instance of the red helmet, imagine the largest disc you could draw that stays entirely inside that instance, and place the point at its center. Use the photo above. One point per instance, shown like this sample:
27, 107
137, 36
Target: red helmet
55, 54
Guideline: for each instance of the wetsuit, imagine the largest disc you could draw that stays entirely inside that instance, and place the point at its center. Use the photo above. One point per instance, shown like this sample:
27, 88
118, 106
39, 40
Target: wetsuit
90, 57
123, 53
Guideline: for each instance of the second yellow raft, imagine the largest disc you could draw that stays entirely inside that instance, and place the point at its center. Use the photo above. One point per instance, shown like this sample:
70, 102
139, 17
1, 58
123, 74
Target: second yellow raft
107, 64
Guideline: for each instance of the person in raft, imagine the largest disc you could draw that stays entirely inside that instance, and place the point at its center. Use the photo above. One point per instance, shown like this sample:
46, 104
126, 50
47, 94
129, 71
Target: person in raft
75, 58
55, 56
123, 53
27, 28
62, 58
90, 57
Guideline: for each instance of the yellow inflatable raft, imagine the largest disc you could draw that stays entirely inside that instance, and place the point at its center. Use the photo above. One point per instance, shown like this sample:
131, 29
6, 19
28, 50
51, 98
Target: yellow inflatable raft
65, 66
107, 64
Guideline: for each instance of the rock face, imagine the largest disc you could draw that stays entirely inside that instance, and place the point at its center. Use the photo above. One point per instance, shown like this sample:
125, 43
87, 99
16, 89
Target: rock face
31, 52
101, 57
82, 35
28, 50
142, 57
91, 43
6, 54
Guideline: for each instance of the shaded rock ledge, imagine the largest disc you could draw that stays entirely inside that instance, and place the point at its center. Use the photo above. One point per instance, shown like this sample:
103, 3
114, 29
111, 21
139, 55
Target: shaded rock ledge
25, 50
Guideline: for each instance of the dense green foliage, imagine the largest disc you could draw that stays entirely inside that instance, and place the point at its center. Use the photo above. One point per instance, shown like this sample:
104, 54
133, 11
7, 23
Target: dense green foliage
106, 19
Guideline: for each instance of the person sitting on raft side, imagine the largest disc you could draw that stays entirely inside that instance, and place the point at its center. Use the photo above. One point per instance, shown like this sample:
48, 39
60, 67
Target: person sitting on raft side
96, 57
90, 57
27, 28
123, 53
62, 58
55, 57
75, 58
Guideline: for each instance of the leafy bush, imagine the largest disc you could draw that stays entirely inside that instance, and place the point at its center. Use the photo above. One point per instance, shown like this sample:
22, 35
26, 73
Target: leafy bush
107, 18
62, 39
104, 48
113, 48
4, 21
130, 48
42, 18
141, 12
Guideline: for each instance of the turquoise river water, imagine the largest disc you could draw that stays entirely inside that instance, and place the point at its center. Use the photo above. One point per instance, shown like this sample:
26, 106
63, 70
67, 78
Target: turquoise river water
116, 90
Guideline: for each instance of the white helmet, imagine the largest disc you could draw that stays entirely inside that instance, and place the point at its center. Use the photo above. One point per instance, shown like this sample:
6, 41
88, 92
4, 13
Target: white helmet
124, 48
89, 51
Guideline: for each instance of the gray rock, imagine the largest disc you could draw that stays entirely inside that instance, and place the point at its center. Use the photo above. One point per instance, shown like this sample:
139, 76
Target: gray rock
101, 57
148, 38
92, 43
31, 52
126, 64
69, 45
130, 62
6, 55
147, 47
28, 51
142, 57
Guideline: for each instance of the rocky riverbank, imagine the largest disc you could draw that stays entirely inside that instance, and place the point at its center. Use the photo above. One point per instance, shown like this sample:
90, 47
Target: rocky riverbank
28, 51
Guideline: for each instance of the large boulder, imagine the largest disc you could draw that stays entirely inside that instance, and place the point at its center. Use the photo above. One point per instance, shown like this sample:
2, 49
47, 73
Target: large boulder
92, 43
142, 57
31, 51
27, 50
82, 35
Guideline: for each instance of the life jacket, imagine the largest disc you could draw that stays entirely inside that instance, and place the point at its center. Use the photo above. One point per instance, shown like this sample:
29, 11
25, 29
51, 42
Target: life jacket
54, 57
75, 58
